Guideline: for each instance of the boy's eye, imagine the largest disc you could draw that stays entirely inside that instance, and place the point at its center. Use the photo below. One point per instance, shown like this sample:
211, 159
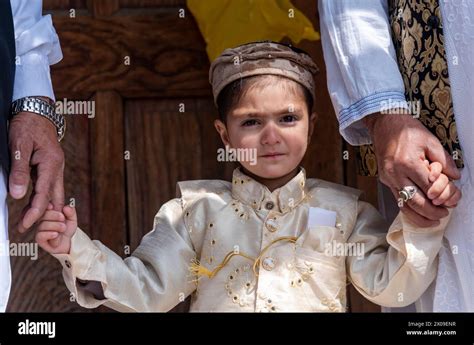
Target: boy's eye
289, 118
251, 122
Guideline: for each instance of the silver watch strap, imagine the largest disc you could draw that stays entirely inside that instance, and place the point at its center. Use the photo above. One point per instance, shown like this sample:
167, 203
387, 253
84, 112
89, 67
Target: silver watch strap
41, 107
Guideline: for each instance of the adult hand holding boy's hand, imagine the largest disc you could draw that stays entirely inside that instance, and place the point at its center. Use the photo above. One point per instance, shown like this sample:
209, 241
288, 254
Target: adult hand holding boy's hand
37, 156
402, 144
56, 229
442, 190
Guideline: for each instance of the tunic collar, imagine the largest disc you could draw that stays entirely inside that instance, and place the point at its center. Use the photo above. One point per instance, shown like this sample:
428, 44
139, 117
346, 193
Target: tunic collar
258, 196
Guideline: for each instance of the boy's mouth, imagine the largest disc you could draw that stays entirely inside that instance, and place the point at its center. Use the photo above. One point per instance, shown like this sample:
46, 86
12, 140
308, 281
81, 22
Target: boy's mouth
272, 155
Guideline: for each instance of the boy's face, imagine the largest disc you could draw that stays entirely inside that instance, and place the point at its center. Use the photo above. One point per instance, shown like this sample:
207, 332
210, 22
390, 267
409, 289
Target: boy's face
272, 119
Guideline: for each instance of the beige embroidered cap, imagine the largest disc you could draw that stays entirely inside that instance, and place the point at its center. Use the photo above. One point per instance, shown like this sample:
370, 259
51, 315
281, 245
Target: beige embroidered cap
262, 58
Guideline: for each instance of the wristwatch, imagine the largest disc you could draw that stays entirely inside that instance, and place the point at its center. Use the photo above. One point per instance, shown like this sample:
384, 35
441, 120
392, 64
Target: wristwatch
41, 107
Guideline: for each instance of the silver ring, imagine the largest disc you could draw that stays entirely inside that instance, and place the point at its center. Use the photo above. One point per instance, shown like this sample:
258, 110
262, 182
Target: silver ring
407, 193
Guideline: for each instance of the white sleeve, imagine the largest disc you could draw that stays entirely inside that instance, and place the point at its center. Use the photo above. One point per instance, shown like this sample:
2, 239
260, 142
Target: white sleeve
37, 47
362, 69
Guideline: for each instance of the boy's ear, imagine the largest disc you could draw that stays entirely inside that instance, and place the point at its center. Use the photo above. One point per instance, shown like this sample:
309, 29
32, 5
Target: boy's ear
312, 123
222, 130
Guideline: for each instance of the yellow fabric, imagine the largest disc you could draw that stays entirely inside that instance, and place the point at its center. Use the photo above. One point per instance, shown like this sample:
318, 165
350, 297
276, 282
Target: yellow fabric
229, 23
212, 218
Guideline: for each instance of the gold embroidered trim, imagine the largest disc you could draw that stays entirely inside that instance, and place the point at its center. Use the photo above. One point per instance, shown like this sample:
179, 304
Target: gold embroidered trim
199, 270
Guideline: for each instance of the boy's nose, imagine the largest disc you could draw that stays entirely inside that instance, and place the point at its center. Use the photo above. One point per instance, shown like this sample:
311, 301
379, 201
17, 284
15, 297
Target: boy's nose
270, 134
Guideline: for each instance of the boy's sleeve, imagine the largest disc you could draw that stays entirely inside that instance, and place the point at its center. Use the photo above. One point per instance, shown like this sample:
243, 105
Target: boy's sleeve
398, 266
154, 278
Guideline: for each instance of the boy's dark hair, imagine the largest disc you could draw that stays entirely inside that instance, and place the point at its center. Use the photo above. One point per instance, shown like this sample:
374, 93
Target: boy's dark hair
232, 93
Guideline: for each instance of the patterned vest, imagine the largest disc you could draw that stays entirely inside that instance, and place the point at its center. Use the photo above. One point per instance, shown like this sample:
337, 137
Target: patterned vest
7, 76
417, 33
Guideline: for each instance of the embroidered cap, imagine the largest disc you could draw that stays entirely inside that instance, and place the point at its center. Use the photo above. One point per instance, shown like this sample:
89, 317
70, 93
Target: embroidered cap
262, 58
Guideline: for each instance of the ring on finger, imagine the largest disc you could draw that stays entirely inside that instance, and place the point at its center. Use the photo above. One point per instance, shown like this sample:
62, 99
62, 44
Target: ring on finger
407, 193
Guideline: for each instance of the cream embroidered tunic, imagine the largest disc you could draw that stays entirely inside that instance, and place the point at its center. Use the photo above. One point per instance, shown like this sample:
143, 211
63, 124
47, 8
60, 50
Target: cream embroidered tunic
277, 262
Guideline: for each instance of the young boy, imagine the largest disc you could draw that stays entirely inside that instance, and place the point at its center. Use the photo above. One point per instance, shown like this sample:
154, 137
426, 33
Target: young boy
270, 240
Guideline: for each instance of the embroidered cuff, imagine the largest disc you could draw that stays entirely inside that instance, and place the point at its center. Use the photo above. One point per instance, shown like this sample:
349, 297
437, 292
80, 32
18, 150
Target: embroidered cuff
352, 129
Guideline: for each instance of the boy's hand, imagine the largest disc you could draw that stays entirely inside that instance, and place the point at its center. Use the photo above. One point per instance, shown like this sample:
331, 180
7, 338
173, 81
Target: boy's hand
442, 191
56, 229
